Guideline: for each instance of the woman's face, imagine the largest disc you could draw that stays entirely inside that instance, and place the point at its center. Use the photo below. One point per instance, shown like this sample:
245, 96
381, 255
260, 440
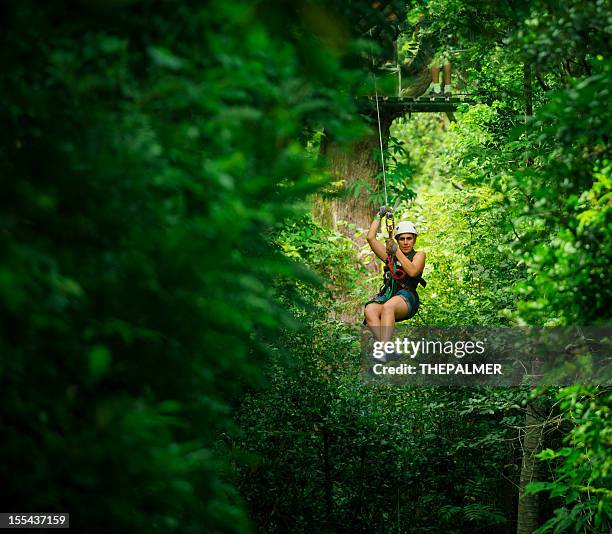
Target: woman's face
406, 242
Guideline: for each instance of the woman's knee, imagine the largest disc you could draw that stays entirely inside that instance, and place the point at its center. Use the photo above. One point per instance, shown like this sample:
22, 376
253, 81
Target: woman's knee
396, 309
388, 308
372, 312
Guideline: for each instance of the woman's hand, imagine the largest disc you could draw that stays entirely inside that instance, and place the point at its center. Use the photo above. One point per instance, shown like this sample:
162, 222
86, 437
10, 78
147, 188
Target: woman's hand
415, 267
391, 246
383, 211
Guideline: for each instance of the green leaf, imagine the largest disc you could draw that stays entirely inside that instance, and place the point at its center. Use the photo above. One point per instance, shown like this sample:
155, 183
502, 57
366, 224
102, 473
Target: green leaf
99, 362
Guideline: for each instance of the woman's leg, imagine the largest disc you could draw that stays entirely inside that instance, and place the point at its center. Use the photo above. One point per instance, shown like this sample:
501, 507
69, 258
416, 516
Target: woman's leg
394, 309
447, 73
435, 73
373, 312
448, 88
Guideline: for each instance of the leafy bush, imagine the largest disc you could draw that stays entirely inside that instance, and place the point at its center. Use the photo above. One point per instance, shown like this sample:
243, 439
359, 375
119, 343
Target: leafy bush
150, 149
582, 475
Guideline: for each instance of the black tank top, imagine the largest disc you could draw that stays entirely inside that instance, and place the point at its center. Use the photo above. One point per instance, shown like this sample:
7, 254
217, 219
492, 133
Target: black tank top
409, 282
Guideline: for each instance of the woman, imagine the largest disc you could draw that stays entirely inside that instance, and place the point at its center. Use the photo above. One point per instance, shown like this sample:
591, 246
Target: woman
398, 300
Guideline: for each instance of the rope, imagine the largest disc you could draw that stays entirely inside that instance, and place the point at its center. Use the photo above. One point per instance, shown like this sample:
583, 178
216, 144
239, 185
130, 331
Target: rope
382, 156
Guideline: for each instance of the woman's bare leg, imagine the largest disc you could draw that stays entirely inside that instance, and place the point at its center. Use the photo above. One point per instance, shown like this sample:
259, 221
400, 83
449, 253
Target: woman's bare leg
373, 313
435, 74
394, 308
447, 74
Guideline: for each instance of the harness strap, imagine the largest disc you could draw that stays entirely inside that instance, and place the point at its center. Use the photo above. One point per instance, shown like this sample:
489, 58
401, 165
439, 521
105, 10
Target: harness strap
397, 274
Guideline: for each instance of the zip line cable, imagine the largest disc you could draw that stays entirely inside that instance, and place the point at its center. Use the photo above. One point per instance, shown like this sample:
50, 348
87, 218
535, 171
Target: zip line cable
382, 156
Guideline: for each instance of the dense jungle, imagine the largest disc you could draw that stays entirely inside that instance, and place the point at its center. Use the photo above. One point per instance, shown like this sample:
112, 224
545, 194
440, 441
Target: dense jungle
186, 193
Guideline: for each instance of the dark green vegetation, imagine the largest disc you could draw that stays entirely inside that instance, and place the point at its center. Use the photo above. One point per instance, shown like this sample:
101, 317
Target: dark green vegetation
168, 362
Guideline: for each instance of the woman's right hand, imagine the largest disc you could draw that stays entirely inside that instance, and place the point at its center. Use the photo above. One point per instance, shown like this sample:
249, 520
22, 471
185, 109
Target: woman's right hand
383, 211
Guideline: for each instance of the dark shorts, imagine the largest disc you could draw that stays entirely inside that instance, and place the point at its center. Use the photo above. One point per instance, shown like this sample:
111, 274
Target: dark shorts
411, 299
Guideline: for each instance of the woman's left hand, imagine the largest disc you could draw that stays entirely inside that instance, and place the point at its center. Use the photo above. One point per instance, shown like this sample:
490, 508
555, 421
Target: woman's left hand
391, 246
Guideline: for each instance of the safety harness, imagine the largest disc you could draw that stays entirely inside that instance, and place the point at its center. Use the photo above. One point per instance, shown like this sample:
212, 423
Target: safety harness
393, 281
394, 277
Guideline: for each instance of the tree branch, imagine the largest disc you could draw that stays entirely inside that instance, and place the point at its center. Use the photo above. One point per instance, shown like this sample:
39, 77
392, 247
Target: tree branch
541, 81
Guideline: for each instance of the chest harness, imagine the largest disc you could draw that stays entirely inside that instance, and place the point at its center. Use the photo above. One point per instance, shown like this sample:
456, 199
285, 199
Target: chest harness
394, 277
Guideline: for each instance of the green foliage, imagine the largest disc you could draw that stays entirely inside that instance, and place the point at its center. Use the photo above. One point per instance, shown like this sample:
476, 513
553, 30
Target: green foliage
549, 168
157, 262
150, 150
470, 270
545, 189
398, 172
583, 473
561, 39
478, 514
332, 256
334, 453
567, 240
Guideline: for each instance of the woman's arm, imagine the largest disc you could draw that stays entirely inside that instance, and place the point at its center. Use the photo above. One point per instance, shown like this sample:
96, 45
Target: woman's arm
414, 267
377, 247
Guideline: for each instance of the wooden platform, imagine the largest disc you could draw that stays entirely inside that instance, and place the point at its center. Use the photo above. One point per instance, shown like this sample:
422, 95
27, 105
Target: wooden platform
423, 104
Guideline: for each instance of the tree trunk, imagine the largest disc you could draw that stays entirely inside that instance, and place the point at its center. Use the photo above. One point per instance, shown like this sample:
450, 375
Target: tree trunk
328, 480
416, 75
359, 163
357, 166
528, 508
528, 516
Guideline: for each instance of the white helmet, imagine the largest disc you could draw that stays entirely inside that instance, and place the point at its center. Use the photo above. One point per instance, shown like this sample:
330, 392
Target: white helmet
405, 227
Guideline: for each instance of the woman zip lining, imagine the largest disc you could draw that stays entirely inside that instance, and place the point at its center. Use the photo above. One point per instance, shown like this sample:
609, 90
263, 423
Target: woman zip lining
398, 299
